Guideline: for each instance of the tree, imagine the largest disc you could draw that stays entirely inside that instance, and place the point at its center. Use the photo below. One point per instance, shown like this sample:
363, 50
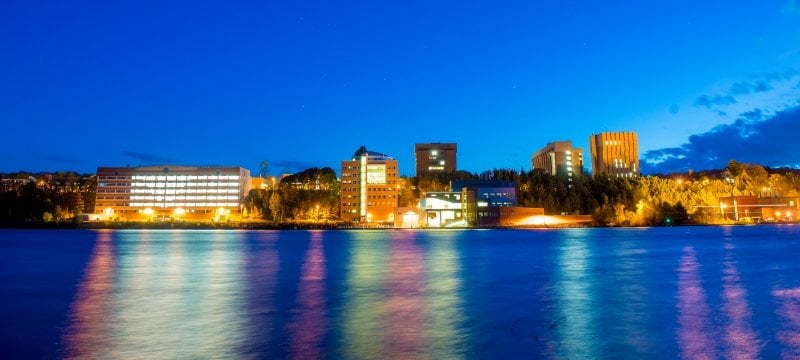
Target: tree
275, 206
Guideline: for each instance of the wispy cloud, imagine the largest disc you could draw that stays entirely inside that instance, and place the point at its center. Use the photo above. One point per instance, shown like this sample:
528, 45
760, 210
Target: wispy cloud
760, 83
771, 140
711, 101
147, 158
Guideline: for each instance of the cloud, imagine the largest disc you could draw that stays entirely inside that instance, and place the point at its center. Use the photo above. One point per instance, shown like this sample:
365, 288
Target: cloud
763, 82
773, 141
146, 158
711, 101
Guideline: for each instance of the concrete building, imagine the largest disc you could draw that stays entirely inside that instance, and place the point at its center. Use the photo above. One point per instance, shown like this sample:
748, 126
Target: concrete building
368, 191
435, 158
559, 158
615, 154
171, 193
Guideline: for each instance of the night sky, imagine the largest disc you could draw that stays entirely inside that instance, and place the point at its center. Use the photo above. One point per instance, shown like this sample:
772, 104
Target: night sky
300, 84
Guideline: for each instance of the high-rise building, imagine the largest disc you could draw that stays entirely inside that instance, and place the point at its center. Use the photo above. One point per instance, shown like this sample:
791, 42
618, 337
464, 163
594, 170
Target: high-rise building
368, 191
435, 158
171, 192
615, 153
559, 158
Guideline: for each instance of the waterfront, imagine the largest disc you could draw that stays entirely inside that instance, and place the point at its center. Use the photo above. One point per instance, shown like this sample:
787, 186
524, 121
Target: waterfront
570, 293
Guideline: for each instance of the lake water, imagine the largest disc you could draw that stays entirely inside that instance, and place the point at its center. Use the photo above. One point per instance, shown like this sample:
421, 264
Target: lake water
690, 292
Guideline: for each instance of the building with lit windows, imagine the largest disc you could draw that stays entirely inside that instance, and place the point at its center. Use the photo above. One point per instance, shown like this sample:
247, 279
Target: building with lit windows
615, 154
559, 158
368, 189
442, 209
167, 193
435, 158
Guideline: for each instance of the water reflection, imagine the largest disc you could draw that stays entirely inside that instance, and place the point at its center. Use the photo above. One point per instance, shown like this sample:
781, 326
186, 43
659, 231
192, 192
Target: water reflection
263, 266
631, 294
693, 311
309, 325
363, 327
174, 298
789, 310
576, 325
404, 303
444, 304
742, 342
91, 314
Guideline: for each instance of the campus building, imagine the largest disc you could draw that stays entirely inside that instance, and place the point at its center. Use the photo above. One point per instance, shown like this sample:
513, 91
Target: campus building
615, 154
559, 158
435, 158
481, 200
171, 193
368, 191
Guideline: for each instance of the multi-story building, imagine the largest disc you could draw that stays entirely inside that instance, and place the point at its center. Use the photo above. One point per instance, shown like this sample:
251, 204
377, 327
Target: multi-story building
559, 158
368, 190
171, 192
435, 158
615, 153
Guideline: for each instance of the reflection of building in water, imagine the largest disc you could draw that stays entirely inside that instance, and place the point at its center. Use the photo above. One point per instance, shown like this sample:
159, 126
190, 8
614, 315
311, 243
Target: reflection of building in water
363, 327
263, 264
92, 312
694, 314
169, 301
444, 309
404, 304
368, 191
309, 326
578, 335
789, 310
741, 341
167, 193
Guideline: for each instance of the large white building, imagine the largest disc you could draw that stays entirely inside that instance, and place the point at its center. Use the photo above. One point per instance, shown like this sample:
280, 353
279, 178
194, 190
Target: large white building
171, 192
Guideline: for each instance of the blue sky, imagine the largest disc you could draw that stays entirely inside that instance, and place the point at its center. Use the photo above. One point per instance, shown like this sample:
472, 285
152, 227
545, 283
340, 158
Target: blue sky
300, 84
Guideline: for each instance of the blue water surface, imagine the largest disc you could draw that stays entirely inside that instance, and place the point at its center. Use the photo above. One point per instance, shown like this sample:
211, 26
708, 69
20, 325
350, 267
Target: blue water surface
682, 292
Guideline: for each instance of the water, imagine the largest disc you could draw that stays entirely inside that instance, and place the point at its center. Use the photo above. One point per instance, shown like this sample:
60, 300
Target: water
690, 292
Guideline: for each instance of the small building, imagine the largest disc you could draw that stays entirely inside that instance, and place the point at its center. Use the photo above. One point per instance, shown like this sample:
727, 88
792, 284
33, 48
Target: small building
759, 209
442, 209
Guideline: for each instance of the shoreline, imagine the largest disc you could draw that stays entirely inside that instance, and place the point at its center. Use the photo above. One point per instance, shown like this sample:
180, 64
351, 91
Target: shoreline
30, 225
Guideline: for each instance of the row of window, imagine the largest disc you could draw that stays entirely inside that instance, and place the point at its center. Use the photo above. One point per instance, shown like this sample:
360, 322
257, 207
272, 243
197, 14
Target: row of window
184, 191
183, 204
172, 198
171, 177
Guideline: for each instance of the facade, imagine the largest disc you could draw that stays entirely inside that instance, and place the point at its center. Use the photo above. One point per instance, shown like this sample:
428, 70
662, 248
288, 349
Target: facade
368, 191
615, 154
759, 209
442, 209
481, 200
171, 193
559, 158
435, 158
